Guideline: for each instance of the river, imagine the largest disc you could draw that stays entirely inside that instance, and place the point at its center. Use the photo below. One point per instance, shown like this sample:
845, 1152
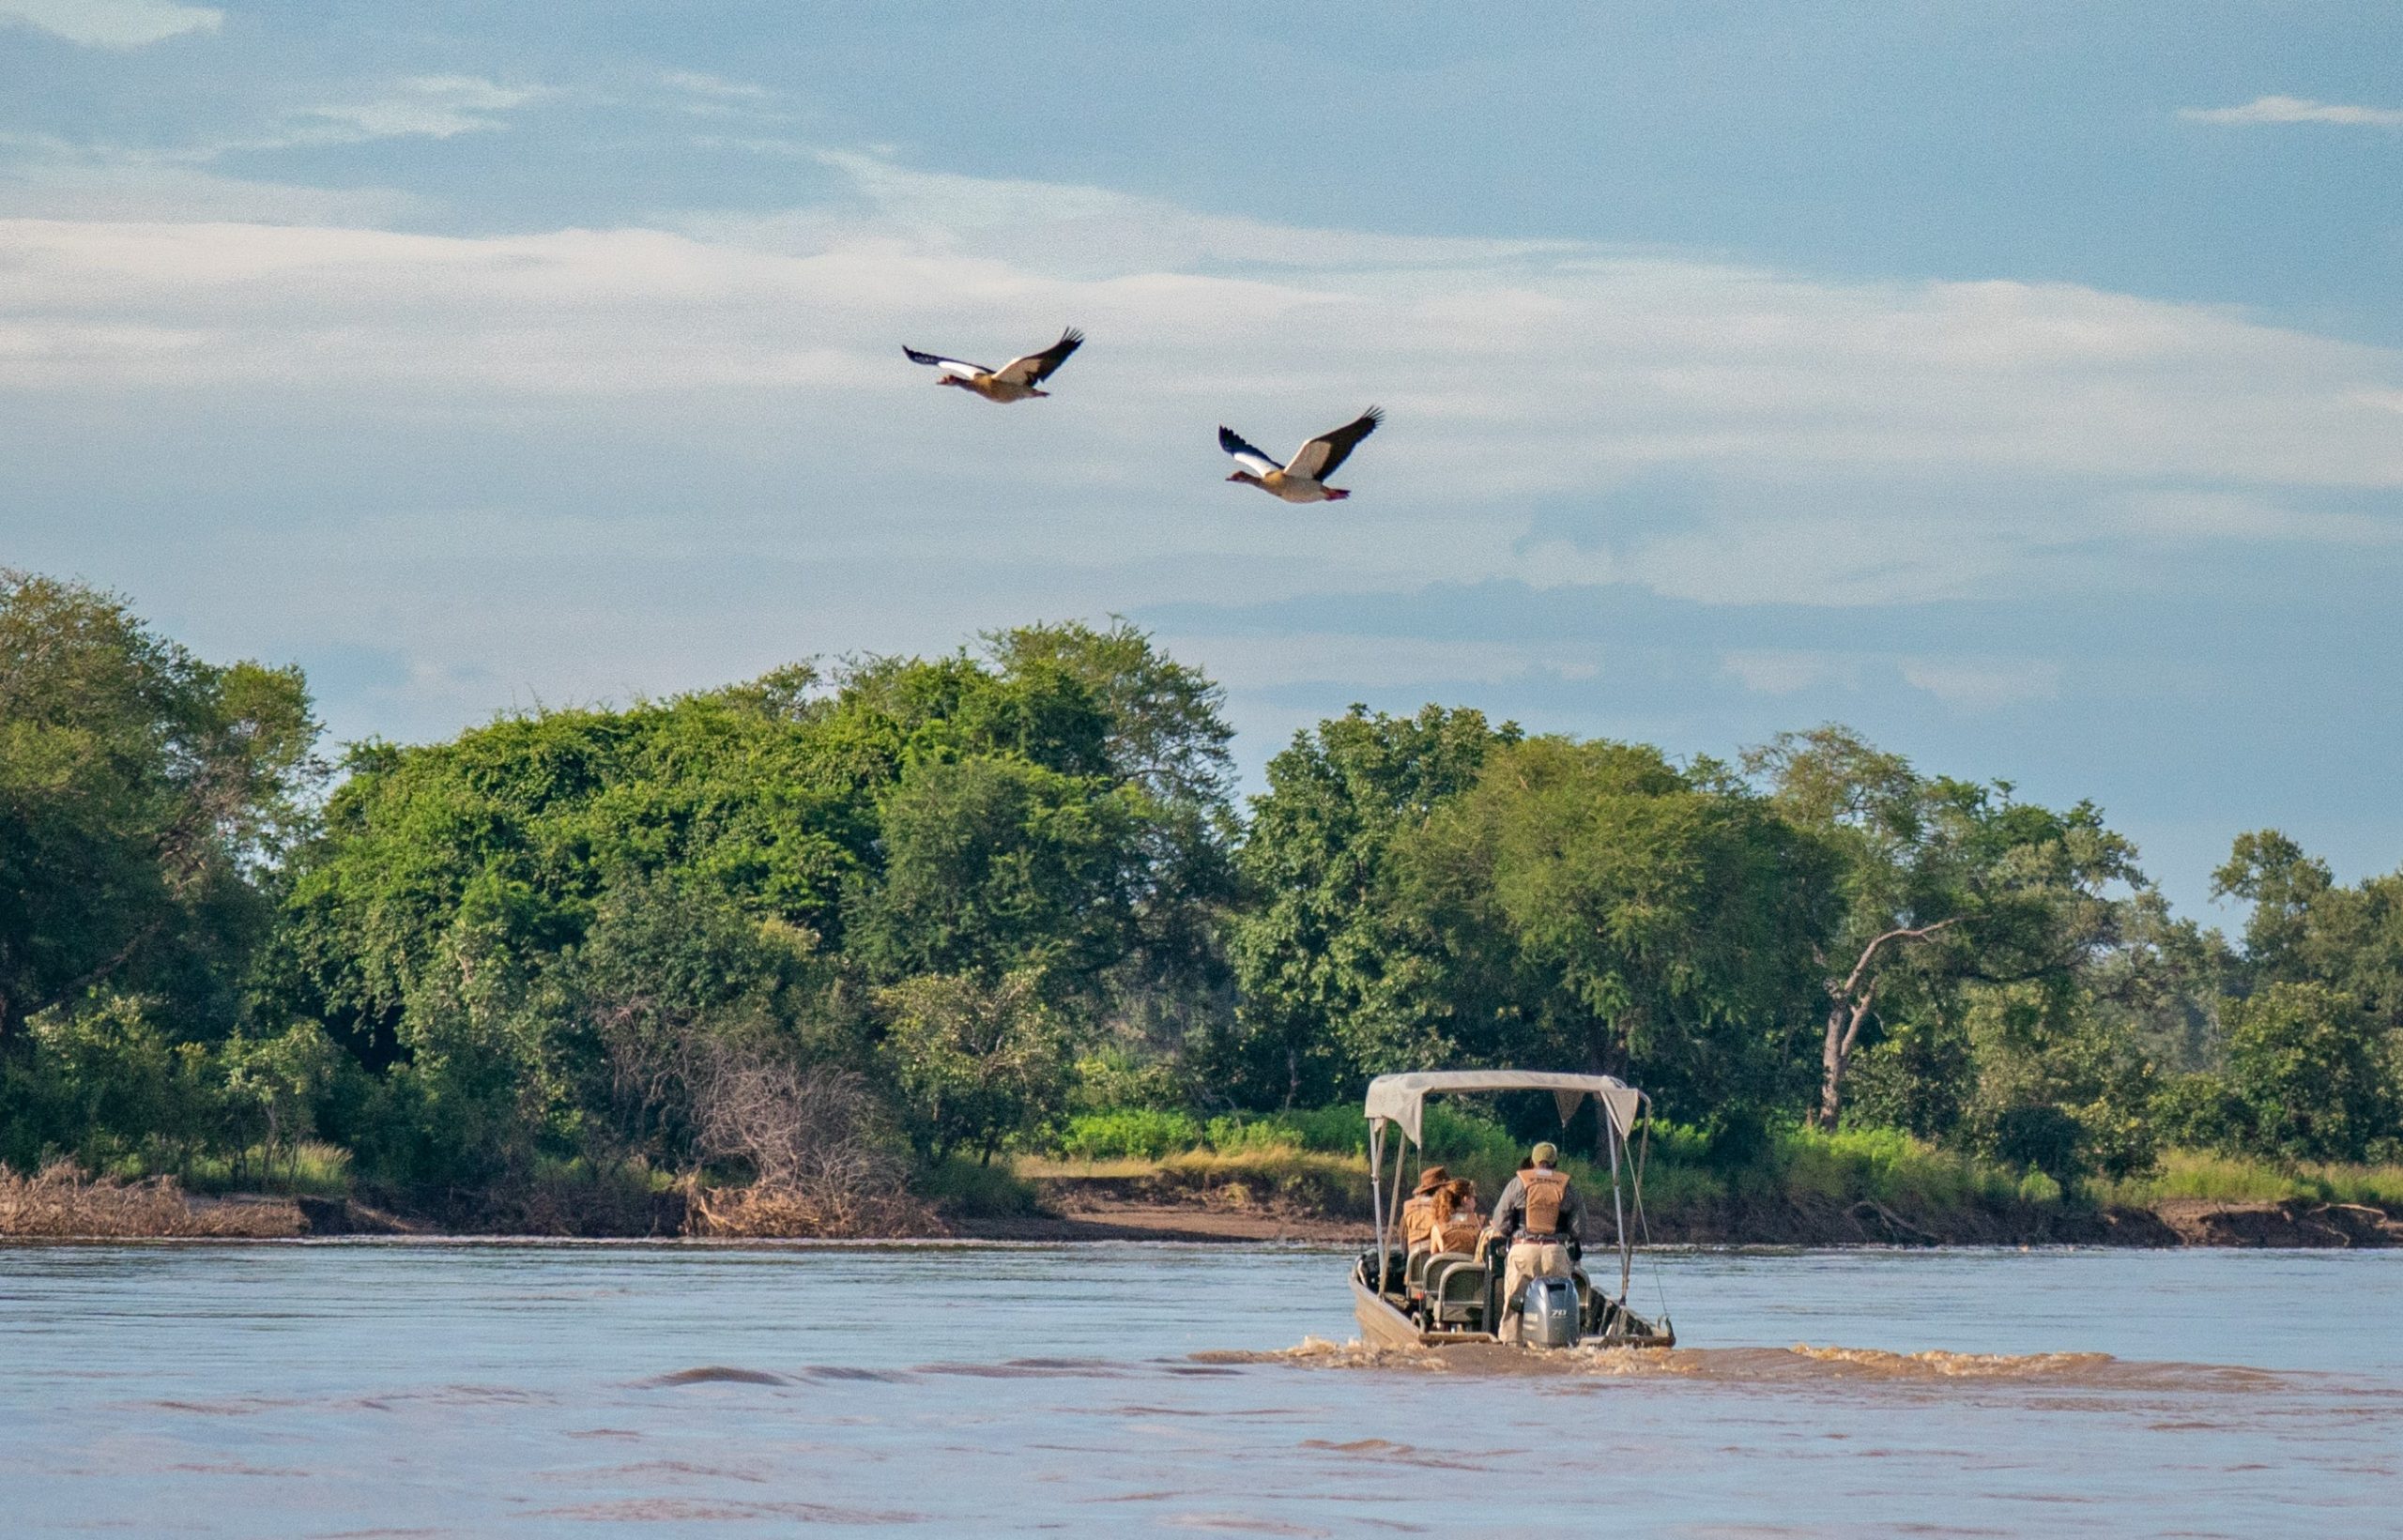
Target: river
459, 1389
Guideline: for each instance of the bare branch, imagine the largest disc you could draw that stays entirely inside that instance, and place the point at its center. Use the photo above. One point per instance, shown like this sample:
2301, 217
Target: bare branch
1869, 953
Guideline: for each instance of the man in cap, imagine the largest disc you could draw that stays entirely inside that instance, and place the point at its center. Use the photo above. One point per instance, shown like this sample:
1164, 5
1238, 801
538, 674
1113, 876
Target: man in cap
1536, 1217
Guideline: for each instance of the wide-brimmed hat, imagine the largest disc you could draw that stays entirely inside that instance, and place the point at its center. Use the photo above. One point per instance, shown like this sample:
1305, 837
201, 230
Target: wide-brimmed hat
1431, 1179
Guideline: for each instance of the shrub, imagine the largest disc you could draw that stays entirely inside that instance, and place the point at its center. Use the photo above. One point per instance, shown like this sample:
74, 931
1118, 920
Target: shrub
1127, 1133
2041, 1137
2305, 1059
970, 1188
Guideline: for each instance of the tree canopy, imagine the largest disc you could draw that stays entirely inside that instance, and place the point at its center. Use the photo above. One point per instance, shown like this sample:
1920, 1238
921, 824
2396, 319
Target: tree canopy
895, 910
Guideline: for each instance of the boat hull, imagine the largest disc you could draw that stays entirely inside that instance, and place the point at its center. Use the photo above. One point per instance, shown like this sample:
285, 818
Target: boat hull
1382, 1325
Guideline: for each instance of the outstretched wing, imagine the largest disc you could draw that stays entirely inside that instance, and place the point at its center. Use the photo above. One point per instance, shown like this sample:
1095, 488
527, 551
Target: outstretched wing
1316, 460
1248, 458
955, 368
1036, 367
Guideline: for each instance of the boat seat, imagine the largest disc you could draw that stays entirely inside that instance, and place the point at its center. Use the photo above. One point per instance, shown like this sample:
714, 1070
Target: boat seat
1456, 1284
1432, 1263
1415, 1274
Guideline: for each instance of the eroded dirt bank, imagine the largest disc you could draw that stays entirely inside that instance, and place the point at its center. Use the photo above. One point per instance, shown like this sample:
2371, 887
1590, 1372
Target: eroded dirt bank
1162, 1208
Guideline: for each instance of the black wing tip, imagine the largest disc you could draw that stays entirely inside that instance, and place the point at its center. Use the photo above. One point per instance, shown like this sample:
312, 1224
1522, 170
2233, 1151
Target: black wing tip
1374, 415
1073, 336
915, 357
1230, 441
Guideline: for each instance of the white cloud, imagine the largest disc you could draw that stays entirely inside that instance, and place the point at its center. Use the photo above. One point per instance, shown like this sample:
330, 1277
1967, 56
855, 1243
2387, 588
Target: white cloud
703, 84
81, 183
431, 106
1371, 663
2242, 516
1781, 672
1512, 372
112, 24
1867, 443
2296, 110
1983, 684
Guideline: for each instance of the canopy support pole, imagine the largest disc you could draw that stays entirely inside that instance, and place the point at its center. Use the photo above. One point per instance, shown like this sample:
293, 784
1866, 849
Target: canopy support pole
1377, 1196
1618, 1209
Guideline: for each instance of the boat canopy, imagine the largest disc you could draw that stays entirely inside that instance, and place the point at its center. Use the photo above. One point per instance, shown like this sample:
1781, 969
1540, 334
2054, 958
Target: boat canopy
1400, 1098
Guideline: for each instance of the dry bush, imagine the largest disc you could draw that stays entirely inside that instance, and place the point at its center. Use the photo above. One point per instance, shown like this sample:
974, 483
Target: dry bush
820, 1163
577, 1199
60, 1202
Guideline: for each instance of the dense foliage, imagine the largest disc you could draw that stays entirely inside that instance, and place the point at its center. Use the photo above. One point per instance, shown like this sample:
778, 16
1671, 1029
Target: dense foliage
886, 915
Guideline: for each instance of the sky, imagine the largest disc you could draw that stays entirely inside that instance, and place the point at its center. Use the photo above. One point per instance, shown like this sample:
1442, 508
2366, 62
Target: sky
2021, 385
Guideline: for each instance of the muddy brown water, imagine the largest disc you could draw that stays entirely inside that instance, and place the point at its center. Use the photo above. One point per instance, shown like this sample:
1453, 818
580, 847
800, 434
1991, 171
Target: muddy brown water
427, 1389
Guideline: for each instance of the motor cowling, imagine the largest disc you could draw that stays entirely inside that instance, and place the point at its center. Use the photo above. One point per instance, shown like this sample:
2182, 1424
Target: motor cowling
1550, 1314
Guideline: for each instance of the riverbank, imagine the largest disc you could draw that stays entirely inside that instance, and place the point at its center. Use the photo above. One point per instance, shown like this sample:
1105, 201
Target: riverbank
1163, 1203
1106, 1207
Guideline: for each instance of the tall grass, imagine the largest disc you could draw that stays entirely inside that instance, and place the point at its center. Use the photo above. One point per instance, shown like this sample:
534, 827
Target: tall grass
2186, 1173
1323, 1151
320, 1170
1884, 1166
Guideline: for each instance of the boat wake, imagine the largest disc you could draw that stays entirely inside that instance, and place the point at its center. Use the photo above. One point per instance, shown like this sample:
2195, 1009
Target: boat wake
1802, 1366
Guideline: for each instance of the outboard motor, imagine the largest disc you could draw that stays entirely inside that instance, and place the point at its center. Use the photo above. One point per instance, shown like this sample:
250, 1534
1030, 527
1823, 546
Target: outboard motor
1550, 1318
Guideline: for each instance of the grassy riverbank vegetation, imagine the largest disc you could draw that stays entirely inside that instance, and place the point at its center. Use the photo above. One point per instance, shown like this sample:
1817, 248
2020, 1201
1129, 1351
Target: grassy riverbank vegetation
849, 945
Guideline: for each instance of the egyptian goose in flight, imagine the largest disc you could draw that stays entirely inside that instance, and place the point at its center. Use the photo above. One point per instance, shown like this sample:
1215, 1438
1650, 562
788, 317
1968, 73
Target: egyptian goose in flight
1302, 479
1015, 380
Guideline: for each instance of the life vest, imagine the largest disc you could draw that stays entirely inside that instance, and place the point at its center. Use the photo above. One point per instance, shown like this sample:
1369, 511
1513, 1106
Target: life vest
1459, 1233
1547, 1195
1417, 1222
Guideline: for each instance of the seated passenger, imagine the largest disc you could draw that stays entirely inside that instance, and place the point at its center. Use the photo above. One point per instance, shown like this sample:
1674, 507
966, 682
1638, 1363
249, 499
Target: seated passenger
1458, 1221
1419, 1213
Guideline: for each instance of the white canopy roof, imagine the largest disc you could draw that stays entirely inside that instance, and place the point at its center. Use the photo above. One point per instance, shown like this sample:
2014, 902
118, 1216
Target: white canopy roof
1400, 1098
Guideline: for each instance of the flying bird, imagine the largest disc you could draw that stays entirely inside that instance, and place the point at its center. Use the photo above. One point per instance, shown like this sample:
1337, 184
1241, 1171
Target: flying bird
1015, 380
1302, 479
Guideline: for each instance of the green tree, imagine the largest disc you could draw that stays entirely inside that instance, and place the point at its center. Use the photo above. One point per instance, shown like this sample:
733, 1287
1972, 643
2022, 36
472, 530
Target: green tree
1332, 985
977, 1059
108, 1085
993, 864
283, 1079
1947, 885
141, 791
1901, 874
1603, 908
1166, 741
2305, 927
525, 821
2315, 1074
1163, 727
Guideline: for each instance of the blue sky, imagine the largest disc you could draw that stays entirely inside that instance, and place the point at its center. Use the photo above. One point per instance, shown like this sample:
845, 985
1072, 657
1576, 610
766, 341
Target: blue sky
2020, 384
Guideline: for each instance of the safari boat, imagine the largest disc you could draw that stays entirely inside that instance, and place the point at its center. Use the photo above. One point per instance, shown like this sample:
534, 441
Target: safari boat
1448, 1298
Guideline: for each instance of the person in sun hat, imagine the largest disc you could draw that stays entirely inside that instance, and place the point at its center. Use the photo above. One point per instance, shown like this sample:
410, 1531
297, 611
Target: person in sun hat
1458, 1219
1419, 1213
1536, 1216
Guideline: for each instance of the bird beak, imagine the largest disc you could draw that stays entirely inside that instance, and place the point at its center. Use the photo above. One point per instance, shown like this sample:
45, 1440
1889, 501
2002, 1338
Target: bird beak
1236, 477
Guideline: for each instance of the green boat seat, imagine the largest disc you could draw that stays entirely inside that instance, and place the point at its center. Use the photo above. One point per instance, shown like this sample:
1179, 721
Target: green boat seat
1456, 1288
